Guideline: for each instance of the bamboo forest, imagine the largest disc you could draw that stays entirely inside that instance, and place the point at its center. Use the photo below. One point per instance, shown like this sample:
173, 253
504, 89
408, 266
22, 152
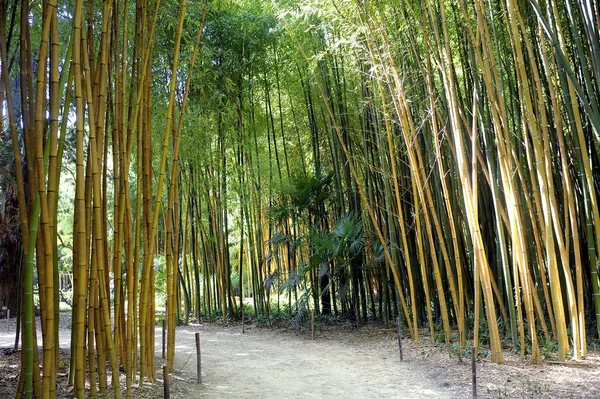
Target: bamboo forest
233, 160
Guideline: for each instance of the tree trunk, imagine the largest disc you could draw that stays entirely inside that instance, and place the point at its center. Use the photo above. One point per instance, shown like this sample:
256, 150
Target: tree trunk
10, 254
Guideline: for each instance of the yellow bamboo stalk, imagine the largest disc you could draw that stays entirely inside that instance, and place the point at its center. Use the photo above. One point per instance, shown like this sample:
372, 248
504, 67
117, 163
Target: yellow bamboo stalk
118, 133
91, 323
520, 257
547, 196
575, 106
148, 240
401, 221
165, 145
538, 246
96, 111
421, 254
517, 288
486, 60
172, 280
46, 266
23, 216
446, 195
568, 188
79, 242
403, 112
469, 197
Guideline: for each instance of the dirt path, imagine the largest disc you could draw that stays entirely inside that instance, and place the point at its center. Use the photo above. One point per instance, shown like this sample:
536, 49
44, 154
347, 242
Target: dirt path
345, 363
341, 362
276, 364
265, 364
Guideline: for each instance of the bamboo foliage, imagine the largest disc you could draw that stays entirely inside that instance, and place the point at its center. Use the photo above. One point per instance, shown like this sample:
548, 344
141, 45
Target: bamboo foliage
461, 137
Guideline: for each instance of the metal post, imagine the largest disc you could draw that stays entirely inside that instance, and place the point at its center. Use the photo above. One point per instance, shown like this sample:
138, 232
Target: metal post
243, 317
198, 359
166, 381
474, 372
399, 337
312, 323
163, 337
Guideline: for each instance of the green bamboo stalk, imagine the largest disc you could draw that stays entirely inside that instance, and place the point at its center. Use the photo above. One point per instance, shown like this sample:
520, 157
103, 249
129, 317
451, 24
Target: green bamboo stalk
28, 301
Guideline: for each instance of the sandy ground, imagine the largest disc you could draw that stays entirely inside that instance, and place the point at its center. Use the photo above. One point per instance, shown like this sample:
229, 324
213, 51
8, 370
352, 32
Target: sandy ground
268, 364
342, 362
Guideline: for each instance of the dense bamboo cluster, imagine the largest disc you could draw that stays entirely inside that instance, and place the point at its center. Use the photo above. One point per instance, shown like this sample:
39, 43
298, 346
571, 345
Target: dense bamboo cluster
432, 159
454, 154
95, 90
494, 120
504, 122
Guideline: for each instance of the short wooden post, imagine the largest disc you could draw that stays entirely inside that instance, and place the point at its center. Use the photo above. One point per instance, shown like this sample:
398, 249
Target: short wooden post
7, 319
474, 372
399, 337
312, 323
164, 328
198, 359
243, 318
166, 381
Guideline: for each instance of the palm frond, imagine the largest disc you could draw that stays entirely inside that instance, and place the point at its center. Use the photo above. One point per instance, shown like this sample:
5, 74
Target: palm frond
378, 258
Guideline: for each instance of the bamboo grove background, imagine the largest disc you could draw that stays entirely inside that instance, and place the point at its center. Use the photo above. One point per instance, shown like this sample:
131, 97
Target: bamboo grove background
433, 159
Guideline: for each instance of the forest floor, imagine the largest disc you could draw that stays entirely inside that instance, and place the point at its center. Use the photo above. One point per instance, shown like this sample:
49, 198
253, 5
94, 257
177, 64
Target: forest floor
341, 362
